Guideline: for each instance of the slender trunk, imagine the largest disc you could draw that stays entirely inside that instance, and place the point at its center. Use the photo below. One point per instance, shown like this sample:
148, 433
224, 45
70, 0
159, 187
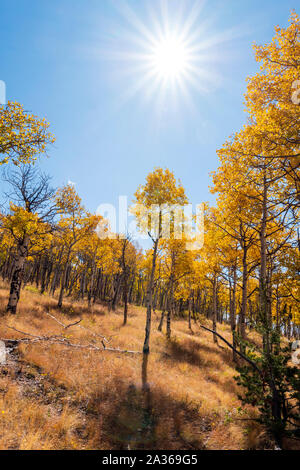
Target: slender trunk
161, 320
56, 273
62, 287
190, 312
214, 316
91, 289
82, 286
17, 277
63, 281
97, 290
233, 314
146, 347
243, 312
168, 332
125, 297
170, 309
116, 293
289, 323
54, 281
164, 306
44, 273
263, 272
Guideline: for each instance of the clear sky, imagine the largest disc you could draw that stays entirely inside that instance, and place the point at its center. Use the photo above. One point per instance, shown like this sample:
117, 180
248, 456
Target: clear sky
83, 65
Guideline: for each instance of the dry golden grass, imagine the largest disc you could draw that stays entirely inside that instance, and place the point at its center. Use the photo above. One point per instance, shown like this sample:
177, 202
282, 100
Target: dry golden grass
56, 397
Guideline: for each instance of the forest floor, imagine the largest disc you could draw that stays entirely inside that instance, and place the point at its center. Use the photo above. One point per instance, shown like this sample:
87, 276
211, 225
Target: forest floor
57, 397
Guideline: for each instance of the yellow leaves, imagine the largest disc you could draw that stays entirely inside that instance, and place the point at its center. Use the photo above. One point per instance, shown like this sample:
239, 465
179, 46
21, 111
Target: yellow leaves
20, 222
262, 156
73, 230
22, 136
270, 137
76, 226
154, 199
161, 188
269, 101
284, 48
19, 225
68, 200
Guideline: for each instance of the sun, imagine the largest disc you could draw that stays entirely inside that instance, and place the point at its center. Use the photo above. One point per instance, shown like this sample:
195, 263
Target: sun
166, 55
169, 58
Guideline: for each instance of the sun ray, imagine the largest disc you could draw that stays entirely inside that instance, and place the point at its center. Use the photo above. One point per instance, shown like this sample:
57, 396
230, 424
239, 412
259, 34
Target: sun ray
168, 53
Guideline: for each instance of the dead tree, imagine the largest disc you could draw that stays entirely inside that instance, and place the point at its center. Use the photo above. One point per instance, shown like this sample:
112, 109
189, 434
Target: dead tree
31, 190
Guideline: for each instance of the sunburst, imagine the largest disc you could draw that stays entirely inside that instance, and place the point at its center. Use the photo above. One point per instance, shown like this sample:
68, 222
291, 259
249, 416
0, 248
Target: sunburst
168, 54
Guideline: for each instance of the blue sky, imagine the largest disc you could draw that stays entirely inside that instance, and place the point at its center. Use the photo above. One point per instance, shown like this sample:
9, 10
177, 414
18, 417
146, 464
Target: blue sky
71, 61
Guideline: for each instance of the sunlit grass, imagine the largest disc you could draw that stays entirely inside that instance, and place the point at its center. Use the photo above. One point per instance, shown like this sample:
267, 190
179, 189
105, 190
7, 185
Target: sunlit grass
193, 392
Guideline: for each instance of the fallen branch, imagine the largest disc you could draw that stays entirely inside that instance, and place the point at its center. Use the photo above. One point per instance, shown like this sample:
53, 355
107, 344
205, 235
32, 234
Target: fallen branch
62, 324
80, 326
20, 331
65, 342
58, 339
231, 347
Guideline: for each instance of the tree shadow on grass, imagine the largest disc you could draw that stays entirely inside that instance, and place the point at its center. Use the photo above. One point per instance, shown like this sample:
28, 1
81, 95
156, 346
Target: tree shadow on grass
189, 351
143, 416
73, 310
180, 352
222, 351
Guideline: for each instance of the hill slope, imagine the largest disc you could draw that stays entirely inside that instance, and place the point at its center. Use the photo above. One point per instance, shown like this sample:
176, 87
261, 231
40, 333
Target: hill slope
57, 397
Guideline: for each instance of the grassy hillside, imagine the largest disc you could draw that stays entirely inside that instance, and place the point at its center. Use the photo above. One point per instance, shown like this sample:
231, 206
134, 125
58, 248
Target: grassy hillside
56, 397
